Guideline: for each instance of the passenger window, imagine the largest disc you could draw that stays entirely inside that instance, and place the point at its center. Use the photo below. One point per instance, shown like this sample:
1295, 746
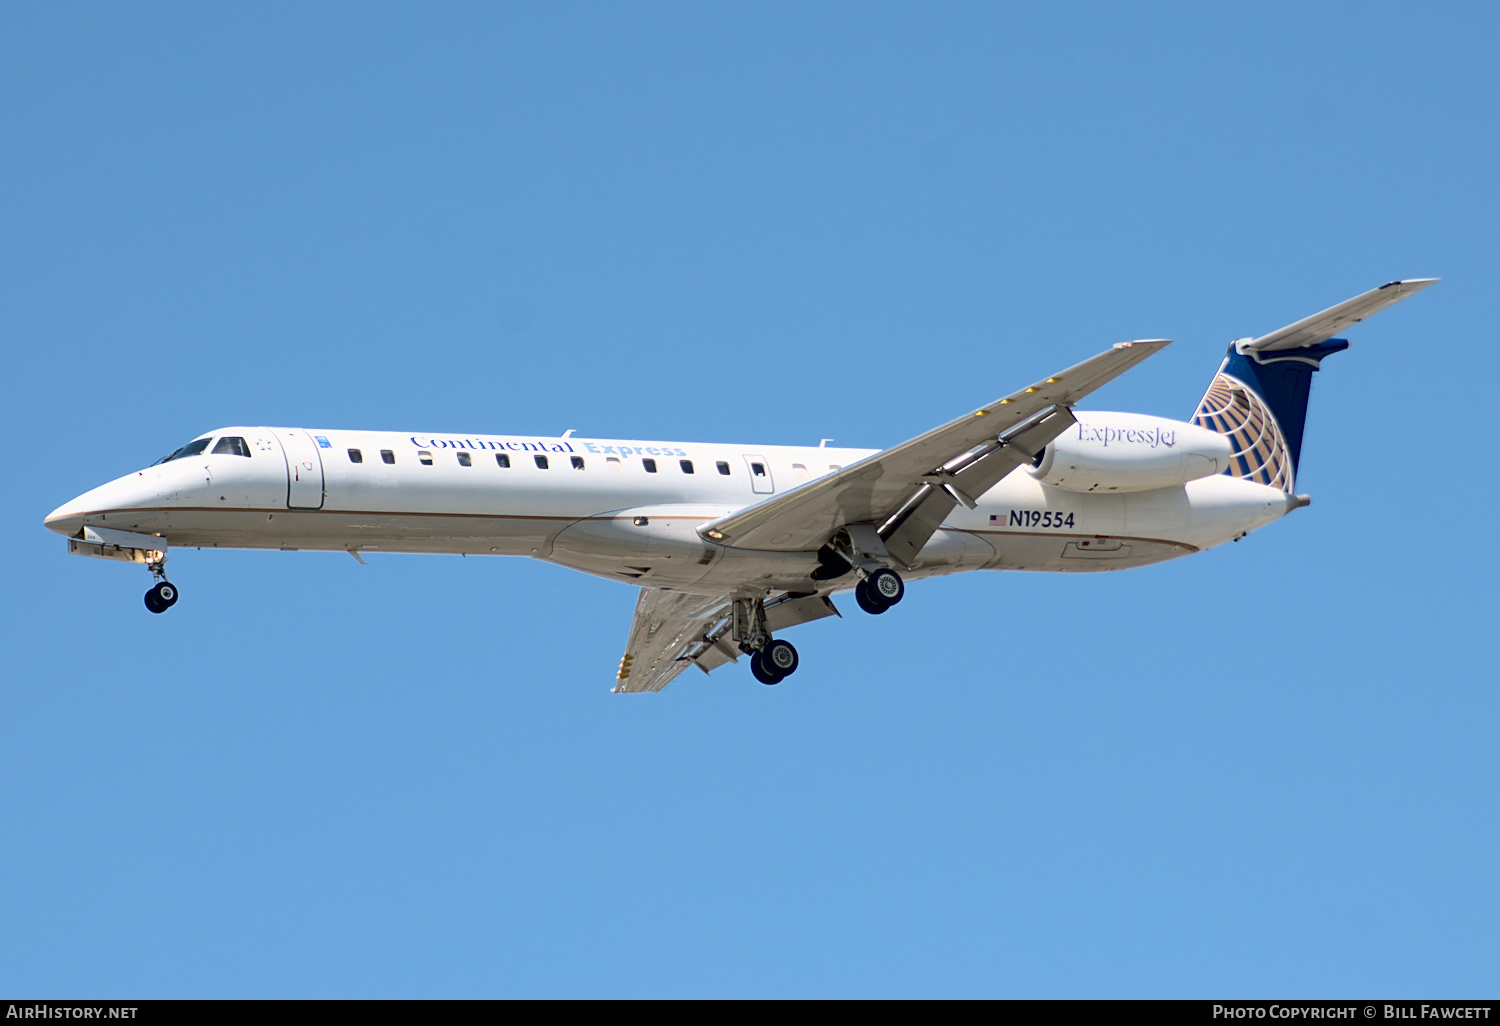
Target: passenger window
464, 460
541, 462
649, 465
425, 458
577, 462
232, 445
613, 463
387, 456
355, 456
758, 469
800, 470
723, 468
686, 465
502, 460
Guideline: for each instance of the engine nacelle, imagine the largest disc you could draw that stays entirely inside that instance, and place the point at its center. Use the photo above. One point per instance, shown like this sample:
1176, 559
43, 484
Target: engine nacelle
1130, 452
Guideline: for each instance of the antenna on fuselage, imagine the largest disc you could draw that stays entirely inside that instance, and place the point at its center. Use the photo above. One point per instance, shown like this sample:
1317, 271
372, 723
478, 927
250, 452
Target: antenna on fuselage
569, 433
823, 444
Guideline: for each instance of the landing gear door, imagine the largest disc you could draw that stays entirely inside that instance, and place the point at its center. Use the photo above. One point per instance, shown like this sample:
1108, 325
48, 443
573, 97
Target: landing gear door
304, 469
760, 474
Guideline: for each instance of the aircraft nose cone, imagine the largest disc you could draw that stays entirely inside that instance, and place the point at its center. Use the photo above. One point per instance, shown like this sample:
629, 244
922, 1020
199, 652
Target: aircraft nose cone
130, 492
67, 519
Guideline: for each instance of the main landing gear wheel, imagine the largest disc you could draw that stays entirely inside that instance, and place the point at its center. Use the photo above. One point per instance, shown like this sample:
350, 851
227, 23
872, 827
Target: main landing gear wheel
774, 663
162, 597
780, 658
868, 604
886, 587
880, 591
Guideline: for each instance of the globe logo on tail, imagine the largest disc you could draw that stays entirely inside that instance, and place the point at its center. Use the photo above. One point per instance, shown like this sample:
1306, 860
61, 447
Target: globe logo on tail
1260, 452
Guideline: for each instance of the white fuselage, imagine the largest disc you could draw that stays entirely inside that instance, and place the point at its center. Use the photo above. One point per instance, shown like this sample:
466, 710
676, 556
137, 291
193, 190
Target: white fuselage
596, 507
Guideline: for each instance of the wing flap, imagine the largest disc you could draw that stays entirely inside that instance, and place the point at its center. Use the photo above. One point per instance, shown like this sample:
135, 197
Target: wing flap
909, 530
666, 626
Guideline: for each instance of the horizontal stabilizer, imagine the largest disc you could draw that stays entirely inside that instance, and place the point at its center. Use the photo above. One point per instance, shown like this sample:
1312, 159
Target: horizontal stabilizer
1322, 326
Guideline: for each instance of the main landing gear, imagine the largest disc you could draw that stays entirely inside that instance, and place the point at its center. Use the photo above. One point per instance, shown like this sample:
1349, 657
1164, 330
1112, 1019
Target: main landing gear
164, 595
771, 659
860, 549
774, 663
879, 591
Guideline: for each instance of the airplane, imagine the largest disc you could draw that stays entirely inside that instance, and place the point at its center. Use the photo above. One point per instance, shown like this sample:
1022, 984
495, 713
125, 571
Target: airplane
731, 545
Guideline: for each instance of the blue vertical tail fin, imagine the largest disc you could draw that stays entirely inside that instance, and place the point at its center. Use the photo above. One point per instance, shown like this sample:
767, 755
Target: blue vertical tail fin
1261, 405
1258, 399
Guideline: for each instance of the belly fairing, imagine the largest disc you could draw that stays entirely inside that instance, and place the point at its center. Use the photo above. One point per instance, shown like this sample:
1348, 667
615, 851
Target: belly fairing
657, 543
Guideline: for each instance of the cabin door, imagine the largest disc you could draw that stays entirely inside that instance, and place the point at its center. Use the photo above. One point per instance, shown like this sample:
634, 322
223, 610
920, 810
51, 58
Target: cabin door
304, 469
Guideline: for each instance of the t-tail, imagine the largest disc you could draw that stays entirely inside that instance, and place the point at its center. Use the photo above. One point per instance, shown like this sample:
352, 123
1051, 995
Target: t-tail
1258, 399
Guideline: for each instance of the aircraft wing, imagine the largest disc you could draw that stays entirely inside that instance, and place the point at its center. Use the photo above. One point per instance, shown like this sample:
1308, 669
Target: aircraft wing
910, 488
667, 624
672, 631
1322, 326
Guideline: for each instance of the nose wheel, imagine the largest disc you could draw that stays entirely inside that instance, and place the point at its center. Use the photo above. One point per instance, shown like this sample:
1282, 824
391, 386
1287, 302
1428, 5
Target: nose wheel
163, 595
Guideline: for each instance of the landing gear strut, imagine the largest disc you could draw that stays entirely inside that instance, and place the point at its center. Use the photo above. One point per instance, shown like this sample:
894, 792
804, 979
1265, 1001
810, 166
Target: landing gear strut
771, 660
164, 595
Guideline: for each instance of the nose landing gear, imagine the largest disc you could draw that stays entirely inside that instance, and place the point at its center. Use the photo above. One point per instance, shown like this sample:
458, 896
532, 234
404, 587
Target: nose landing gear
164, 595
161, 598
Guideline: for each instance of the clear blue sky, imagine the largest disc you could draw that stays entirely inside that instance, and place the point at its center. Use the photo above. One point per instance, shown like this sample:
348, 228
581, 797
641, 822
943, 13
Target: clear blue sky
1266, 770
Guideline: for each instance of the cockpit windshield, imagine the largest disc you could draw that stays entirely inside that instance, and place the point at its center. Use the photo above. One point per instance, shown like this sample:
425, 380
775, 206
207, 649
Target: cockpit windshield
193, 448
